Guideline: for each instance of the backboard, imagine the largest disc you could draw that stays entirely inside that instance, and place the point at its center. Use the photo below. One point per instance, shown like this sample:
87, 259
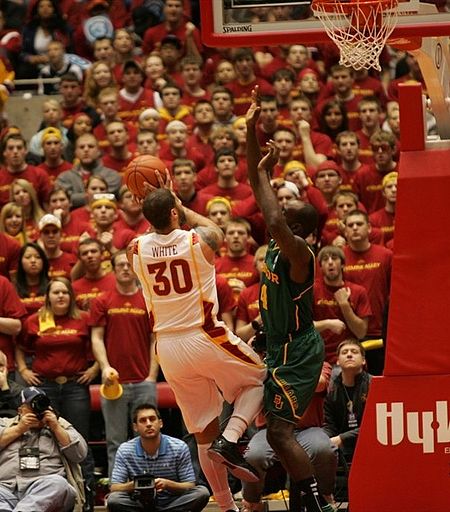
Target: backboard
227, 23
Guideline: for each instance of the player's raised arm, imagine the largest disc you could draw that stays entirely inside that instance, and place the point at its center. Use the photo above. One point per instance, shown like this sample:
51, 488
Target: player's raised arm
288, 229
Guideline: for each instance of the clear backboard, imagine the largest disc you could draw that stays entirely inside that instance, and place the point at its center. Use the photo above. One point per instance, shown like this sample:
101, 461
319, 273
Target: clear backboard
228, 23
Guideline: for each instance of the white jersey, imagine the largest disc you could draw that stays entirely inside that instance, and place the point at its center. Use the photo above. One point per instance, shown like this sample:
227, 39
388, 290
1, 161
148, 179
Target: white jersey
178, 282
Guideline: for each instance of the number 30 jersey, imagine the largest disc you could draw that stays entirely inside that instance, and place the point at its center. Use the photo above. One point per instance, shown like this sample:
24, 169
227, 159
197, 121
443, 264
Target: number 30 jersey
178, 283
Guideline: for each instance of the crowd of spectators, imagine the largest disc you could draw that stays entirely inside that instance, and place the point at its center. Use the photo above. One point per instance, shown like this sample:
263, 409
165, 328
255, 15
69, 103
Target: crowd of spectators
133, 78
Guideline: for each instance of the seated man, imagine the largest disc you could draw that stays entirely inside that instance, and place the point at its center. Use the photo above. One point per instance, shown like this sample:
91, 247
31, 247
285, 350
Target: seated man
346, 399
164, 460
39, 457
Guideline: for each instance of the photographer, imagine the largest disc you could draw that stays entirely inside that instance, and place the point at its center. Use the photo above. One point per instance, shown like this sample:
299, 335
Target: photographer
153, 471
39, 457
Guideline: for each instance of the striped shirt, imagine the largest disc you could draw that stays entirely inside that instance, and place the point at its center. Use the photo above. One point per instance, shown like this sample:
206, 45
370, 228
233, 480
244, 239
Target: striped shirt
172, 461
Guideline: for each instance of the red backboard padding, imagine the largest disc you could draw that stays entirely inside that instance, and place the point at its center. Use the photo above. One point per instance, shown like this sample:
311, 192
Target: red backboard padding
403, 452
418, 335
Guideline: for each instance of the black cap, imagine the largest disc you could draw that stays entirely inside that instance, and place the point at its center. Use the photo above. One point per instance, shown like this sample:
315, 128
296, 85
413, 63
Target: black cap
133, 64
173, 40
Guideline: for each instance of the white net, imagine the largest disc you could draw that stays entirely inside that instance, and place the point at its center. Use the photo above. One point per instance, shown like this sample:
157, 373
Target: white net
359, 29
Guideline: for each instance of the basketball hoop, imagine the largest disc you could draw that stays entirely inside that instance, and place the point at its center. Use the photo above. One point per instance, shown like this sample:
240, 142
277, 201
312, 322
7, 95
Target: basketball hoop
359, 28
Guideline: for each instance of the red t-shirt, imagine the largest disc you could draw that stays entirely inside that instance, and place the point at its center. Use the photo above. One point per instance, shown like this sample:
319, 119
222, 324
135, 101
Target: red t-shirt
100, 134
70, 234
192, 153
9, 254
203, 147
36, 176
117, 164
88, 289
365, 150
208, 175
348, 178
60, 351
242, 268
61, 265
130, 110
248, 304
326, 306
127, 333
242, 93
224, 295
371, 269
54, 172
154, 35
139, 228
385, 221
189, 100
238, 193
198, 202
369, 188
82, 214
10, 307
33, 301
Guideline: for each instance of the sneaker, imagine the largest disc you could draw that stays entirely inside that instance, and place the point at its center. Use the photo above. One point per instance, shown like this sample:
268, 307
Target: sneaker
227, 453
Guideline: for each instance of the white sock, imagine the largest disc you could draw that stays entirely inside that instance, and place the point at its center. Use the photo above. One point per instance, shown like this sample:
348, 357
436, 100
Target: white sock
246, 406
217, 477
236, 426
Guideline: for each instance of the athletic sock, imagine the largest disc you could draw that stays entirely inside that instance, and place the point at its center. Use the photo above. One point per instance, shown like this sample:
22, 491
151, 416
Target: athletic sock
236, 426
246, 406
310, 494
217, 477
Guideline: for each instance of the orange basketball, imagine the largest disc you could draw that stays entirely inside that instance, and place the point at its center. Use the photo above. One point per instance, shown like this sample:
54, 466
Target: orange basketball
141, 169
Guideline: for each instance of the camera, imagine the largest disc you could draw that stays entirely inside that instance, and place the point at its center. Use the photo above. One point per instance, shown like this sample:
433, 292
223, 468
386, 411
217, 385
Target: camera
39, 404
145, 490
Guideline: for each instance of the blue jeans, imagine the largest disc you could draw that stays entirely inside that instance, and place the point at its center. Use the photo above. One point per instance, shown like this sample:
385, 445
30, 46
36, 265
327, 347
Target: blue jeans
73, 402
118, 414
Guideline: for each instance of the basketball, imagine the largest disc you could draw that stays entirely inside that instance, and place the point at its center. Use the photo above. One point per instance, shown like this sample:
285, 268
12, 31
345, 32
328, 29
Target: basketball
142, 169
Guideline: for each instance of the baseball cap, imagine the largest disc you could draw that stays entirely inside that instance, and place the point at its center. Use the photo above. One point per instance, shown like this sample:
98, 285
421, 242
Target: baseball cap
27, 394
133, 64
49, 220
172, 40
328, 165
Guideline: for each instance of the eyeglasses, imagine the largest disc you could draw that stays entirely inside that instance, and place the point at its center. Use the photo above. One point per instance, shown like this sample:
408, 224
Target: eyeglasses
383, 146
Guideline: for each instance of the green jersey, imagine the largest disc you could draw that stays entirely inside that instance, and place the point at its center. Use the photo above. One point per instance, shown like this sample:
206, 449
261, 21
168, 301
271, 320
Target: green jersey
285, 306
